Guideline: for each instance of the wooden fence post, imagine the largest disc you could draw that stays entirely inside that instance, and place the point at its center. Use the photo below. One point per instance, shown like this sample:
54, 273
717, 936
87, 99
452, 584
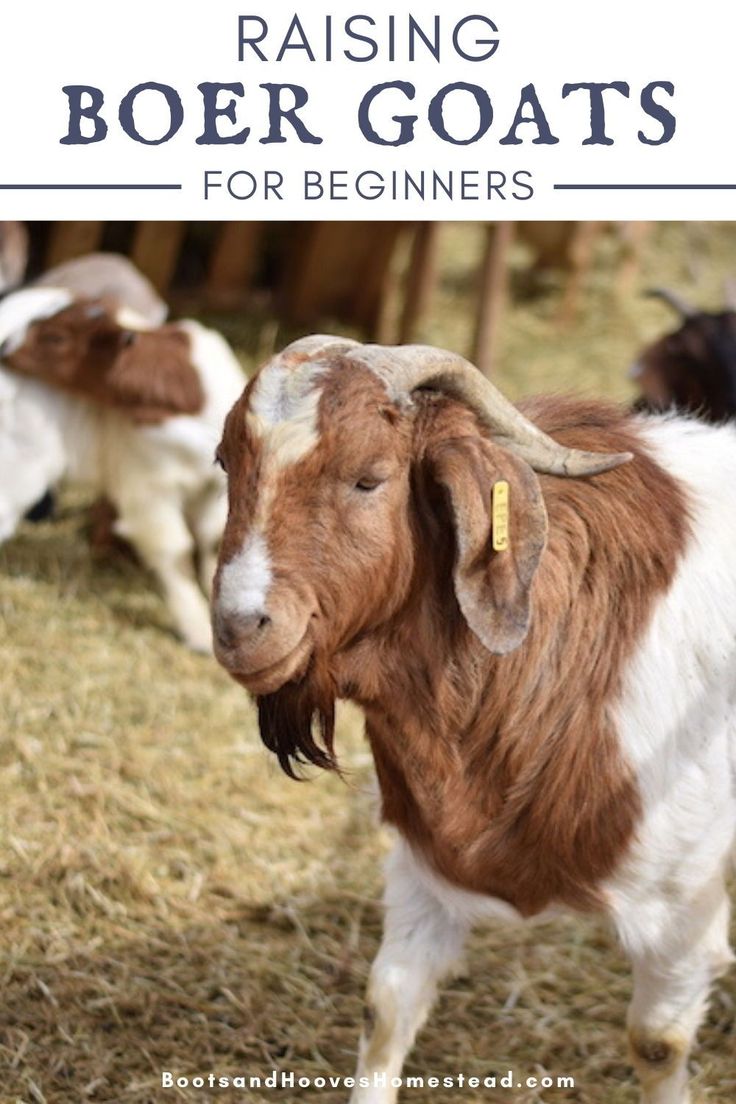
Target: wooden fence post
72, 239
156, 248
493, 290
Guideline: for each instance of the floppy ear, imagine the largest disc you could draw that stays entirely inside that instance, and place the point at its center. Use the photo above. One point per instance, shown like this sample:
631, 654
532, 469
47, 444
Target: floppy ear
153, 376
492, 587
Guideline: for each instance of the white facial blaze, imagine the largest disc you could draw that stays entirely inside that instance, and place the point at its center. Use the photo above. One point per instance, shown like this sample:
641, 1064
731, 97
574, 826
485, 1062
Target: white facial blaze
246, 579
284, 416
284, 411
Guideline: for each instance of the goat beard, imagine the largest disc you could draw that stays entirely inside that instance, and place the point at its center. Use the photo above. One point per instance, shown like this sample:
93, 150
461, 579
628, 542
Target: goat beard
297, 722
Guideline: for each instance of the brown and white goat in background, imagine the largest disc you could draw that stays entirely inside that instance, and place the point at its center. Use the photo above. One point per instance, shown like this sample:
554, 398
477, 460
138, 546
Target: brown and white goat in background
133, 414
548, 684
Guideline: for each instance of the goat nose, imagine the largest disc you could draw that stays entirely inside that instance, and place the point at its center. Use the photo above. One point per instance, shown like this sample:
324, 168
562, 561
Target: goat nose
232, 629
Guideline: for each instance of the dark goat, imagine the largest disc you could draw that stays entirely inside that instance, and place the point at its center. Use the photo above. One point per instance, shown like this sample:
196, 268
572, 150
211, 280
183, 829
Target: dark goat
693, 368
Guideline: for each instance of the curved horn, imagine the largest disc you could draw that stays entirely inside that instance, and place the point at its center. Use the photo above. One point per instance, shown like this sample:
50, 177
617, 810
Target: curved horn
406, 368
683, 308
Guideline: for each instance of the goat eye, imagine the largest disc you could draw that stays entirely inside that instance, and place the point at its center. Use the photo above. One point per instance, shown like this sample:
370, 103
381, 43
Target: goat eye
51, 338
105, 339
368, 484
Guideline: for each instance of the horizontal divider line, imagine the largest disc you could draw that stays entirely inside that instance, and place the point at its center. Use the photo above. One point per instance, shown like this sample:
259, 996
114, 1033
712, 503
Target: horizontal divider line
89, 187
645, 187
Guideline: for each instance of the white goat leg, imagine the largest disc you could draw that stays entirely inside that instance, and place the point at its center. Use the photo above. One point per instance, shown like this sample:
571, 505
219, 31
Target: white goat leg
421, 945
672, 983
159, 532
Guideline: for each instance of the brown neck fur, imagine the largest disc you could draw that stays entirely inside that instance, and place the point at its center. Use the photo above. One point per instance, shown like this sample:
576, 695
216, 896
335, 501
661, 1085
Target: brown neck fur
506, 773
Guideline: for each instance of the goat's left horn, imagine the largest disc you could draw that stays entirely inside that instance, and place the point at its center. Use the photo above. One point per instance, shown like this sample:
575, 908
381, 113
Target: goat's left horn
407, 368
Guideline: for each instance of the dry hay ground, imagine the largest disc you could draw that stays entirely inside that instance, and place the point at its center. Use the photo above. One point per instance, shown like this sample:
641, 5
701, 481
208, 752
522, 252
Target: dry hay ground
169, 901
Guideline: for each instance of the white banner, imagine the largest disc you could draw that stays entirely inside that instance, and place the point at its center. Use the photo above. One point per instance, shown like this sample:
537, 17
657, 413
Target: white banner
460, 110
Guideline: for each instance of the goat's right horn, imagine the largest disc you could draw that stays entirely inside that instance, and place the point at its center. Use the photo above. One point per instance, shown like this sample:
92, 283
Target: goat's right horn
683, 308
407, 368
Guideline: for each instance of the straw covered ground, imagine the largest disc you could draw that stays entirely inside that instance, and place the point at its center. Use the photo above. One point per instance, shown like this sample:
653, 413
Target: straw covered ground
169, 901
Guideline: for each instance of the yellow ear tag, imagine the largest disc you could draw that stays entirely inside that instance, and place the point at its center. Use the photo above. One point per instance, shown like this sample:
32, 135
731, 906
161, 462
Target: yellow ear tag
500, 516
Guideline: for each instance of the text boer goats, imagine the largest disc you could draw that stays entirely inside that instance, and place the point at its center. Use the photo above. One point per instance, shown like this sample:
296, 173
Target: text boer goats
551, 723
453, 109
393, 113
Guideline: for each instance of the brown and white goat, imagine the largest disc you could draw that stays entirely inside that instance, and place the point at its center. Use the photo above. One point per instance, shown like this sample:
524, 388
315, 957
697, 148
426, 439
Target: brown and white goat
133, 415
542, 637
123, 287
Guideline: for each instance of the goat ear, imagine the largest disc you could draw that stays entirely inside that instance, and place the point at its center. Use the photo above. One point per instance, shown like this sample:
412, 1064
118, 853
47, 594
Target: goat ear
154, 377
492, 587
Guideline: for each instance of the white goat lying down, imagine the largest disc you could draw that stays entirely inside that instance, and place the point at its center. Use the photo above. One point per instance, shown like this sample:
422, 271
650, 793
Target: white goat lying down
108, 276
156, 468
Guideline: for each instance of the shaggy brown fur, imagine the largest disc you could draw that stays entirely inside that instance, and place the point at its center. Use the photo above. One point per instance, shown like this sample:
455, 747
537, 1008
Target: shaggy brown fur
146, 374
517, 788
504, 771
